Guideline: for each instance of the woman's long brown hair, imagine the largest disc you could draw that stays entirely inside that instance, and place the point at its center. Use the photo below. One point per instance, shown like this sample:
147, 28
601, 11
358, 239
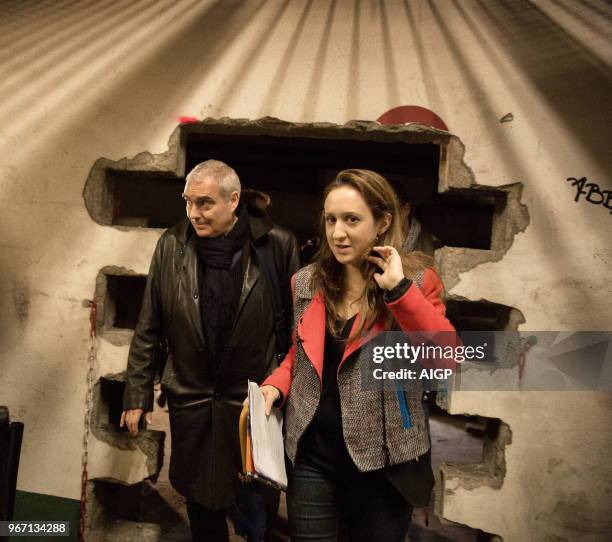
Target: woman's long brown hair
328, 273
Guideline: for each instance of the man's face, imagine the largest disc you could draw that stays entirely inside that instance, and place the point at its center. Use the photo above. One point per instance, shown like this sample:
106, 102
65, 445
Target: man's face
210, 214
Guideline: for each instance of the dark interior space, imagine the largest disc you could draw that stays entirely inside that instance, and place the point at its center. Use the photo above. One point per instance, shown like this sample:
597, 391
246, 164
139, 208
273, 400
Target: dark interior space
462, 218
123, 300
294, 171
477, 322
477, 315
120, 501
111, 392
145, 199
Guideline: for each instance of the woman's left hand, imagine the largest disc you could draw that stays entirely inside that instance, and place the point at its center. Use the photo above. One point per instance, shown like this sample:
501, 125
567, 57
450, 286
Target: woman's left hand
390, 262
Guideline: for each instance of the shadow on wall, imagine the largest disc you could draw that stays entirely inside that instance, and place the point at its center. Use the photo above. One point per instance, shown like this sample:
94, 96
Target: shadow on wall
575, 81
163, 65
159, 65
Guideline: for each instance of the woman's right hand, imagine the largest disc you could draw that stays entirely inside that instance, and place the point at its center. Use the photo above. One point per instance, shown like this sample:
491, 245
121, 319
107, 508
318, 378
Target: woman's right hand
270, 394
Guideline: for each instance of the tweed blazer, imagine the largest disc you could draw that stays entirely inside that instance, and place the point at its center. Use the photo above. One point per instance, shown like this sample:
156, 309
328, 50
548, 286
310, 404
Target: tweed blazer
375, 438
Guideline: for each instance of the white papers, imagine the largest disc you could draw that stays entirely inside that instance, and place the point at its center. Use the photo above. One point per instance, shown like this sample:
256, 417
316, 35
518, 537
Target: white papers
266, 438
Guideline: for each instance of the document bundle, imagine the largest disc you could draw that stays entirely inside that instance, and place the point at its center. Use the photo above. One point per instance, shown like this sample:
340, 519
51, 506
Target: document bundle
261, 441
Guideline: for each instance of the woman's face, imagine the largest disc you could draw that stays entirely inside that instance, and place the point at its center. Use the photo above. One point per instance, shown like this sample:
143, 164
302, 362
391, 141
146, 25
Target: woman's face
350, 227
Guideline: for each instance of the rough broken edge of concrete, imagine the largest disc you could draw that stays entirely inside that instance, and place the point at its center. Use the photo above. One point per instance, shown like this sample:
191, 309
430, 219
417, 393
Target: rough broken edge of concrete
105, 309
515, 319
490, 472
452, 262
149, 441
513, 219
359, 130
96, 191
453, 171
99, 527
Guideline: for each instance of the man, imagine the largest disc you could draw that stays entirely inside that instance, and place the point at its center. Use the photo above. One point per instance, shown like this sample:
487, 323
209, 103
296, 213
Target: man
209, 303
416, 237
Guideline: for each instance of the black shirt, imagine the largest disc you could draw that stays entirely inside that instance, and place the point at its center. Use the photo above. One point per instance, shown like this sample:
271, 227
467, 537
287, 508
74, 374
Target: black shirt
322, 445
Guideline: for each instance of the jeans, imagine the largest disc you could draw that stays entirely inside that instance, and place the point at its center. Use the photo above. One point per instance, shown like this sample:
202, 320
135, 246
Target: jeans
253, 516
256, 511
318, 503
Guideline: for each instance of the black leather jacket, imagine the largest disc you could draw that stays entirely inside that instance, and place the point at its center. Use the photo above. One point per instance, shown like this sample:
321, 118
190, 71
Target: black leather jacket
205, 400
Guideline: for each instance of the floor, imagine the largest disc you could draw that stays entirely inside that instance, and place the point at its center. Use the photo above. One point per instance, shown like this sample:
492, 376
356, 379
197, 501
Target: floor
450, 442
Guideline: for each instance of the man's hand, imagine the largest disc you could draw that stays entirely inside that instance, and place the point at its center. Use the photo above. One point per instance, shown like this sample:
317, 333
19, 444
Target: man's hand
131, 417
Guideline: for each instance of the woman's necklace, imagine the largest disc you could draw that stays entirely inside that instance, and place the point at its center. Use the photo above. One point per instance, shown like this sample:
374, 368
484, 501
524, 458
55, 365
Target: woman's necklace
348, 308
354, 291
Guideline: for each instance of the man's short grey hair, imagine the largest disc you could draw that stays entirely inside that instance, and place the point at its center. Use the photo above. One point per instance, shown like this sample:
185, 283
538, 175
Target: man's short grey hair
226, 177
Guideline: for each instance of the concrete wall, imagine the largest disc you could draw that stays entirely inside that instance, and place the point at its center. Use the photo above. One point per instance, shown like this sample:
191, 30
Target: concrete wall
109, 79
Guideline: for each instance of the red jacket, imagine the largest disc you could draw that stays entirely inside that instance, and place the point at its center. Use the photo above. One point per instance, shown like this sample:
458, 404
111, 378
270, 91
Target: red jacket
419, 309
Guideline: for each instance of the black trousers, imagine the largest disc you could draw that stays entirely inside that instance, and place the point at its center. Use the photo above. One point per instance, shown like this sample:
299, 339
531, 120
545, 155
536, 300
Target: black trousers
206, 524
372, 509
254, 516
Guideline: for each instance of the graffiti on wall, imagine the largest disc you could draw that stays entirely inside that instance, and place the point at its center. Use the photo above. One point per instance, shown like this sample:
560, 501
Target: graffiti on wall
591, 192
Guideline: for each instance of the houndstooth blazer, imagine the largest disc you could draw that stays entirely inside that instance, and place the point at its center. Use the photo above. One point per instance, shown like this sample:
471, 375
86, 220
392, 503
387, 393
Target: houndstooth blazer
374, 438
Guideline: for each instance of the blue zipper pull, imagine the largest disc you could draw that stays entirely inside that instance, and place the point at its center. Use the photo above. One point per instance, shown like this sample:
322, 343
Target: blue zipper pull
405, 412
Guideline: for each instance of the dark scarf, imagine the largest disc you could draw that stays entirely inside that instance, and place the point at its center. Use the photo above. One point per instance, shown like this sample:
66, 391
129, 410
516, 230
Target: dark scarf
220, 278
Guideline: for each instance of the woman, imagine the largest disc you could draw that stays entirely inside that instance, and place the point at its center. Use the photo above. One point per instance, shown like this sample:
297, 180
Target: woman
353, 454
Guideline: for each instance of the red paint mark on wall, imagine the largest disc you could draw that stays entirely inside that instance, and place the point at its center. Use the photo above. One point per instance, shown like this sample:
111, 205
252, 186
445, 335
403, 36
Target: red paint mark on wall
404, 114
188, 120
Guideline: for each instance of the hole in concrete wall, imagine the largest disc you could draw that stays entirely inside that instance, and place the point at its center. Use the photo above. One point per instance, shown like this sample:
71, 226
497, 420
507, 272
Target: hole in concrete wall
111, 392
122, 512
462, 218
459, 444
477, 315
118, 498
490, 470
482, 316
123, 300
119, 294
141, 199
121, 502
293, 170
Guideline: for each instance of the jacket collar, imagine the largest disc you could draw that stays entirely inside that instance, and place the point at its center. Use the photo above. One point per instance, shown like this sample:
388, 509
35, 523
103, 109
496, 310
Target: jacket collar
311, 333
